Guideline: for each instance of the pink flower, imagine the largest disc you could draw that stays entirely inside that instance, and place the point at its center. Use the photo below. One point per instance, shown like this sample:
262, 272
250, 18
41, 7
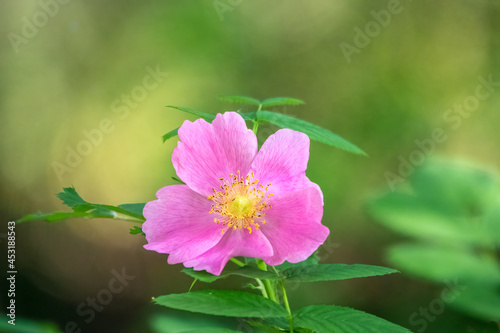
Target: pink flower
237, 201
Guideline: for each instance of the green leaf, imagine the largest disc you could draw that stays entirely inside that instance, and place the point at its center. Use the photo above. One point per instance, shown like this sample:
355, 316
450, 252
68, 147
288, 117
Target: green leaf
170, 134
314, 132
203, 276
246, 271
479, 301
456, 188
239, 100
223, 303
441, 263
492, 224
414, 217
82, 208
312, 260
211, 330
281, 101
249, 115
263, 327
182, 321
332, 272
337, 319
177, 179
200, 114
253, 273
135, 230
72, 199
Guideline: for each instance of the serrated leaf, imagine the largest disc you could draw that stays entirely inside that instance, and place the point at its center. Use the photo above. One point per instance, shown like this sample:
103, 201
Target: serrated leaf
281, 101
314, 132
135, 230
223, 303
239, 100
207, 116
171, 134
441, 263
71, 198
333, 272
337, 319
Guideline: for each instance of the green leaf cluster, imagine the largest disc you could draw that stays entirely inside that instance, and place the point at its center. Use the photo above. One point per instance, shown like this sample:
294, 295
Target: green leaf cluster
452, 211
270, 315
314, 132
81, 208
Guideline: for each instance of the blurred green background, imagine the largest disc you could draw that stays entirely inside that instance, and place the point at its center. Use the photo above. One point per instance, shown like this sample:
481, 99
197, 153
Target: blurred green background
67, 66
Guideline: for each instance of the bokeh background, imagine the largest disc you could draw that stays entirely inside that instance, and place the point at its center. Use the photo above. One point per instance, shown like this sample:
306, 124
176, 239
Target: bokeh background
65, 72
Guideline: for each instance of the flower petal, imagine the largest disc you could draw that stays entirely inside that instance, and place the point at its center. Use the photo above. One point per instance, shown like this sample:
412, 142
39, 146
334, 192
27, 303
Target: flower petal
282, 161
208, 152
179, 223
293, 226
235, 243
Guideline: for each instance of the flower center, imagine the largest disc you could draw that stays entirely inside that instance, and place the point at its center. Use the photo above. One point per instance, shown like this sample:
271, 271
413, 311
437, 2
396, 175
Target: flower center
240, 202
240, 206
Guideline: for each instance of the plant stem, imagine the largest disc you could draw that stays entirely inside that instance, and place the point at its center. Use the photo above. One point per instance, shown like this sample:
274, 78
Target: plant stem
256, 121
271, 291
262, 288
237, 262
127, 218
255, 126
287, 305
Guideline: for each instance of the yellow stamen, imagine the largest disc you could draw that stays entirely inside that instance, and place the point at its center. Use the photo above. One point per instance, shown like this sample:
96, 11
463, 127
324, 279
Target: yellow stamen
240, 202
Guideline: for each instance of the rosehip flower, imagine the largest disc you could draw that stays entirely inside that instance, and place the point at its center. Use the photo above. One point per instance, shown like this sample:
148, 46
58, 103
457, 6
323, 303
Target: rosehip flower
237, 201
